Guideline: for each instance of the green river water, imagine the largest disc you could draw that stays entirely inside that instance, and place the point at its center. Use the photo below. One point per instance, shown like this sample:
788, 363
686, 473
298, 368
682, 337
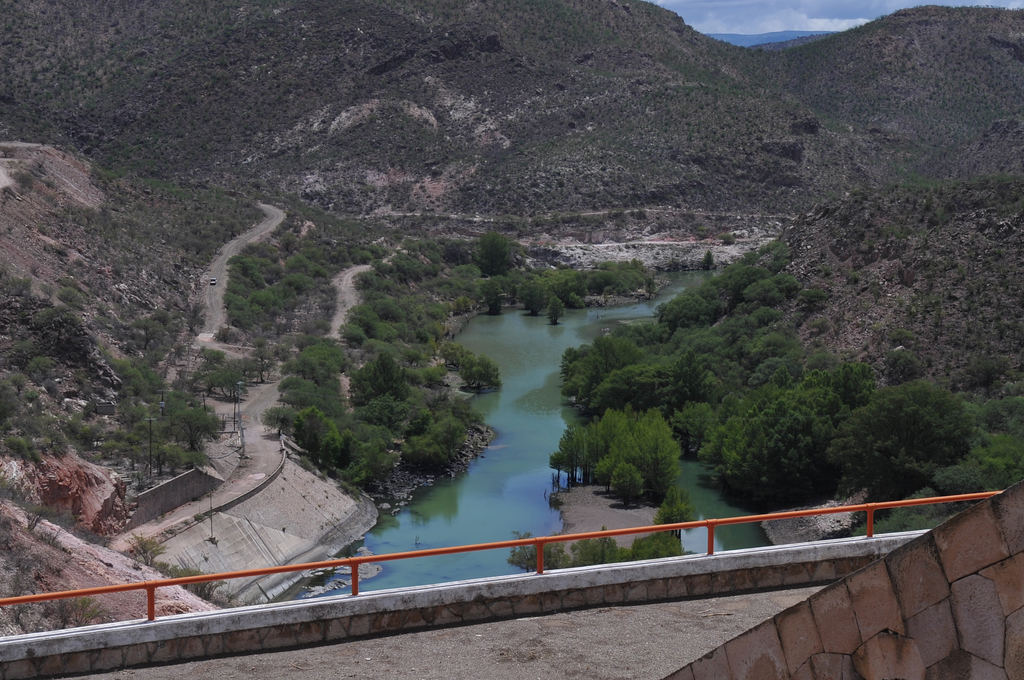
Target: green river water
506, 489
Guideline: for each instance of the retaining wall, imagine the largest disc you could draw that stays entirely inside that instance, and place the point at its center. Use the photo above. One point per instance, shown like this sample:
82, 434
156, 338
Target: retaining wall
171, 494
279, 626
946, 606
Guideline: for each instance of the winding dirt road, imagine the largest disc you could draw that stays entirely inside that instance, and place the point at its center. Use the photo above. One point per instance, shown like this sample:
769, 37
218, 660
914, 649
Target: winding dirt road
214, 298
348, 297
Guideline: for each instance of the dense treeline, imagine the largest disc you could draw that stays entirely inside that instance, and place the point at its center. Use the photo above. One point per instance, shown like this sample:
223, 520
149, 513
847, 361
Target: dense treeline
780, 422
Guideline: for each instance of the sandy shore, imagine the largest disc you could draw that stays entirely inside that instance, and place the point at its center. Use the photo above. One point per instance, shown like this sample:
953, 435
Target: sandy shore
589, 508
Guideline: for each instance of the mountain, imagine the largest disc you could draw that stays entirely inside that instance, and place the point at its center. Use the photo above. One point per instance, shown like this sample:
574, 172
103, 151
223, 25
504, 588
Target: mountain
752, 40
504, 107
920, 280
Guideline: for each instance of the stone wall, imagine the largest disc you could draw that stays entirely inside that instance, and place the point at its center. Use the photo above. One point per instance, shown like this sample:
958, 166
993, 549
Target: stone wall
321, 620
171, 494
946, 606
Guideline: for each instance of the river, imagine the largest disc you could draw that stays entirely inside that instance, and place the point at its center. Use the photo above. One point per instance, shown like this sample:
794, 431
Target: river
506, 489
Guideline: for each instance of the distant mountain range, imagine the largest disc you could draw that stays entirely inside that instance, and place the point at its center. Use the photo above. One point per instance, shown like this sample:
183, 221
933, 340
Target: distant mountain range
509, 108
743, 40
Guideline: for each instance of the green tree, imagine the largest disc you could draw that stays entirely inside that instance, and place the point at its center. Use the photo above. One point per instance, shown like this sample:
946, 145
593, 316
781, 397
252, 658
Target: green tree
676, 507
555, 310
480, 372
194, 426
493, 254
492, 295
627, 482
279, 418
709, 260
534, 296
319, 438
377, 378
895, 444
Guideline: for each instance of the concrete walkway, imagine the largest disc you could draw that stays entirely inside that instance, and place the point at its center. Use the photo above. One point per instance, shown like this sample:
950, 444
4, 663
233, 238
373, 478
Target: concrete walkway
641, 641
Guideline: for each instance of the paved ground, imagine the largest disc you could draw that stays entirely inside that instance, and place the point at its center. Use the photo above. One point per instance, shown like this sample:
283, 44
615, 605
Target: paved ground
647, 641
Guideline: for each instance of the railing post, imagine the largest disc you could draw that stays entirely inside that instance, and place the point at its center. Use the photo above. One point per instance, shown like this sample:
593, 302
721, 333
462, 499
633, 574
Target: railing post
151, 602
540, 556
711, 537
871, 520
355, 578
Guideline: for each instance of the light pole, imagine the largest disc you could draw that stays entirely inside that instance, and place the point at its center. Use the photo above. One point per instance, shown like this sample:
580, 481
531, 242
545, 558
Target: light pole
241, 428
150, 419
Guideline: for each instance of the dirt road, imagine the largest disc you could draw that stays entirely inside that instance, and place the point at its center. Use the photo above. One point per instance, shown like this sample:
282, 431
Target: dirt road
348, 296
215, 294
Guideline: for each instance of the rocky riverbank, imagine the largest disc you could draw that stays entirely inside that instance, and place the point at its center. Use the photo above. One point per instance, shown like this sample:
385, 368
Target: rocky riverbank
816, 528
395, 491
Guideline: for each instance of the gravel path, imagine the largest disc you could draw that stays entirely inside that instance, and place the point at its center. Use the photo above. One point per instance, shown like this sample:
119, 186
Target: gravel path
348, 296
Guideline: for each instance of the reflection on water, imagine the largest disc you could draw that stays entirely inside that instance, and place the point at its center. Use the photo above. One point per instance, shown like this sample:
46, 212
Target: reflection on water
506, 489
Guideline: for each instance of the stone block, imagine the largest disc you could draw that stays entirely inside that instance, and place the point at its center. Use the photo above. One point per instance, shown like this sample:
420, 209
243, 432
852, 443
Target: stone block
1008, 508
278, 637
712, 666
676, 587
475, 611
242, 641
961, 666
336, 630
108, 659
213, 644
595, 595
698, 584
307, 633
614, 594
917, 576
824, 572
73, 664
1013, 648
21, 668
979, 618
657, 589
446, 616
768, 577
550, 602
836, 622
501, 608
798, 634
359, 625
415, 617
874, 602
574, 599
529, 604
970, 541
685, 673
795, 574
833, 667
887, 656
49, 665
935, 632
635, 592
805, 672
1008, 576
721, 583
757, 654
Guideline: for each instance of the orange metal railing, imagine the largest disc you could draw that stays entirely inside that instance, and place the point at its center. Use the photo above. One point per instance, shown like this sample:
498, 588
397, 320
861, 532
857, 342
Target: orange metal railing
538, 541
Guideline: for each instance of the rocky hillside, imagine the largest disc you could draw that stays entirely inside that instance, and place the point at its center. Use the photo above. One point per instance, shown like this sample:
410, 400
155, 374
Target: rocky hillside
928, 79
917, 281
442, 106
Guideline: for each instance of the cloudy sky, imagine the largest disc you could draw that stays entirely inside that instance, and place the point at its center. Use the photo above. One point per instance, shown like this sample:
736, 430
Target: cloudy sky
765, 16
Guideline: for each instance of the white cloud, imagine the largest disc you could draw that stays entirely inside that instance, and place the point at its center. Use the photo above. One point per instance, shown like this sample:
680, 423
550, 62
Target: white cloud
765, 16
